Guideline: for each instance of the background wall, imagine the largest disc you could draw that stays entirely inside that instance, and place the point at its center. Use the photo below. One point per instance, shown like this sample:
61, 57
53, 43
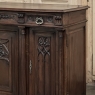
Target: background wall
89, 43
15, 1
89, 28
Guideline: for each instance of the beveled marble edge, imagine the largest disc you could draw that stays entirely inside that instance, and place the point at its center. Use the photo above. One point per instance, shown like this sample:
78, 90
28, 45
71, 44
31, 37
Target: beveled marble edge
40, 7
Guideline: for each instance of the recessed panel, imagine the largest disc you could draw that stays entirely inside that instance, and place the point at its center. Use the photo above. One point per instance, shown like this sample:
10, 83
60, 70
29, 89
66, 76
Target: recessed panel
8, 61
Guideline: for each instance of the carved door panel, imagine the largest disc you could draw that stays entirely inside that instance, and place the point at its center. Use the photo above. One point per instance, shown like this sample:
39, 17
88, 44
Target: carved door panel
8, 60
43, 67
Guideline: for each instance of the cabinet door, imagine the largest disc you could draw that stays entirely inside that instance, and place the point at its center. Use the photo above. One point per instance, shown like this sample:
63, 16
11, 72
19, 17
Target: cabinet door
43, 65
8, 60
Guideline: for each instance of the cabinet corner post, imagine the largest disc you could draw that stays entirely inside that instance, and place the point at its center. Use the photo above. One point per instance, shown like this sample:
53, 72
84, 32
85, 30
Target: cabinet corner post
21, 30
22, 61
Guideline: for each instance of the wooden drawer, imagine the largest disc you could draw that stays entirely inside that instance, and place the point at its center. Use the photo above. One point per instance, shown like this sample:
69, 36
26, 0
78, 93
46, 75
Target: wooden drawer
33, 19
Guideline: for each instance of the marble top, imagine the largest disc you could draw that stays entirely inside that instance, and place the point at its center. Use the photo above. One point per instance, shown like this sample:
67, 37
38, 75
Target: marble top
40, 7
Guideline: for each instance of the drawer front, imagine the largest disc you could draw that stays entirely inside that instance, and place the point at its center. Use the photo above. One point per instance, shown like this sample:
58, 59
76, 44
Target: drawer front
50, 20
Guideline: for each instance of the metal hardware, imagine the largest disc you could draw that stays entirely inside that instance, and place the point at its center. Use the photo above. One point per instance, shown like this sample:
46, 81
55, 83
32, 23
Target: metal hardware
30, 66
39, 20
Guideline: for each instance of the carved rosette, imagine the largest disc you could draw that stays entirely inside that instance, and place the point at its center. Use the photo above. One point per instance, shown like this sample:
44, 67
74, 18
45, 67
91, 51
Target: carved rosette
43, 47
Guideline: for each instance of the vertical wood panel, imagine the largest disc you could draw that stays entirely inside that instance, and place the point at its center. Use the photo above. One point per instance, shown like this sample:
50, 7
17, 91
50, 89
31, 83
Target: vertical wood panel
43, 63
8, 60
22, 61
77, 61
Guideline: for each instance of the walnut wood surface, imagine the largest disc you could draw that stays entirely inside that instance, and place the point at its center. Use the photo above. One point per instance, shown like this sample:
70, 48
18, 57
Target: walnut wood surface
8, 60
42, 49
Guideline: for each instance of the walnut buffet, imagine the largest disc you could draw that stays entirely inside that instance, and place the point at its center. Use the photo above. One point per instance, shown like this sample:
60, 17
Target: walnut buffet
42, 49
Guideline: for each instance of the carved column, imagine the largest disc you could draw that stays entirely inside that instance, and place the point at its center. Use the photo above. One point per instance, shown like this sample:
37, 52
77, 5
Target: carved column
22, 61
60, 49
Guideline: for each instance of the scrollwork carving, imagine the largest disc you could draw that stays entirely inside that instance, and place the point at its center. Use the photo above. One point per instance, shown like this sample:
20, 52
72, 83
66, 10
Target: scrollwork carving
4, 50
7, 16
58, 20
44, 46
21, 18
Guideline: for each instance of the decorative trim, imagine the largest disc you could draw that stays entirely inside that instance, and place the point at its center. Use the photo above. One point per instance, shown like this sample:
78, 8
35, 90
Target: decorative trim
44, 46
21, 18
6, 16
46, 19
4, 52
58, 20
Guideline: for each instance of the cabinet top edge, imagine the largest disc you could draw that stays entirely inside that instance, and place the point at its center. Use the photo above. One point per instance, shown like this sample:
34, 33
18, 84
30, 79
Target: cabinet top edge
35, 7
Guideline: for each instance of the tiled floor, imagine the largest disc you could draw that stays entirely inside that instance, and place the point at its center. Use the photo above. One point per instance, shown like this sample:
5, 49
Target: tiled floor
90, 90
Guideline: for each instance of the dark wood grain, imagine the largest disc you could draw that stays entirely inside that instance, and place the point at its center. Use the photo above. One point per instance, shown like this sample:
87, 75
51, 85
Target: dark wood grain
42, 49
8, 60
43, 64
22, 61
77, 59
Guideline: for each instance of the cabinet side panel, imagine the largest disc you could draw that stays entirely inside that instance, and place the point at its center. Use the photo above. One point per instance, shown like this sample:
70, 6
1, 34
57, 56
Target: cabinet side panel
77, 61
77, 16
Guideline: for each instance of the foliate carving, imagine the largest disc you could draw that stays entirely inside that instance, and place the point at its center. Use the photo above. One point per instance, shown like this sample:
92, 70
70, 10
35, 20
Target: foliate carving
37, 19
44, 46
4, 50
58, 20
43, 19
18, 17
21, 18
7, 16
50, 19
31, 18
